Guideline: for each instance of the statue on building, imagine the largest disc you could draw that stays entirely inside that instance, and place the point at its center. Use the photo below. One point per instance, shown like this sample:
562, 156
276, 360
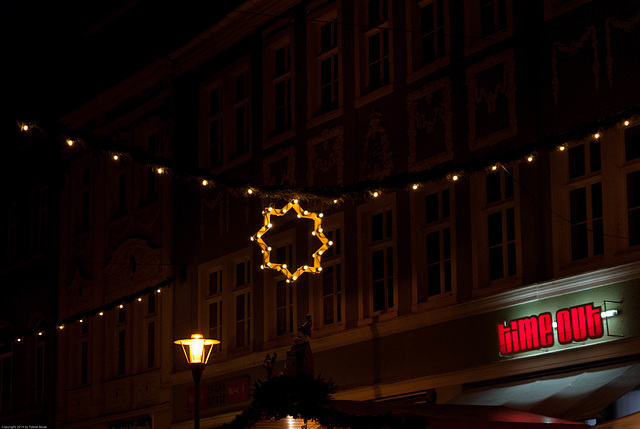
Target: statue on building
299, 361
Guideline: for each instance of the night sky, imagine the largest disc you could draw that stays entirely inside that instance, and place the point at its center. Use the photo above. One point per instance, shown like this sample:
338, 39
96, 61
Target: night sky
57, 55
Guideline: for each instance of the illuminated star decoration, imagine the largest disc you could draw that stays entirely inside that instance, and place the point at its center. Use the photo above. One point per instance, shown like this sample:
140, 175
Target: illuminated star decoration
317, 232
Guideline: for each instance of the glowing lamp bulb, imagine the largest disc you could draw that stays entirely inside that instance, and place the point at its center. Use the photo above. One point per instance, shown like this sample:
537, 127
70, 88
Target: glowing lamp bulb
376, 194
159, 291
562, 148
295, 201
530, 158
306, 212
269, 225
284, 265
115, 157
25, 127
249, 191
160, 170
455, 177
494, 167
139, 299
205, 183
415, 187
626, 123
101, 313
313, 233
70, 142
330, 243
335, 201
61, 327
121, 306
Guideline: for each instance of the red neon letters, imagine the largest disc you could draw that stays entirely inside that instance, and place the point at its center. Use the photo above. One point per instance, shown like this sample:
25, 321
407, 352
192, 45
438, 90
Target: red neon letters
530, 333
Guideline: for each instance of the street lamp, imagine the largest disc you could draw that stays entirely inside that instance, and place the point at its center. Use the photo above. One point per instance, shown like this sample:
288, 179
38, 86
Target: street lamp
197, 350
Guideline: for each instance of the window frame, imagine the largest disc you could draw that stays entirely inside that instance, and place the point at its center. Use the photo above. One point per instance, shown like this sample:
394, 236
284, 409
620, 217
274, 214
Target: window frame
417, 68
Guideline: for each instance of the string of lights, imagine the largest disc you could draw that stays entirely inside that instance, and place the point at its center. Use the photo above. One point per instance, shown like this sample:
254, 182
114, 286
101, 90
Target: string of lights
452, 171
100, 311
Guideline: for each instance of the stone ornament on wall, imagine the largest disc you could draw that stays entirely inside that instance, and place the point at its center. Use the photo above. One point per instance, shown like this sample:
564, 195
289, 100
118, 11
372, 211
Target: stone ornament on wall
430, 125
588, 42
325, 153
377, 161
280, 168
492, 100
134, 262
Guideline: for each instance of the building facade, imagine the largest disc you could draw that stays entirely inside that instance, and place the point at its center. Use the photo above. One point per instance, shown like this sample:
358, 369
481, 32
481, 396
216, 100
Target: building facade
481, 155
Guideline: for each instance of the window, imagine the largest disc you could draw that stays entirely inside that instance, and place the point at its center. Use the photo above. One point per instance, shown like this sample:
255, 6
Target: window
486, 22
493, 16
379, 294
39, 371
378, 44
282, 84
84, 352
284, 308
632, 155
12, 232
225, 118
5, 383
585, 200
439, 243
85, 216
226, 292
332, 283
40, 218
324, 44
501, 224
121, 345
122, 204
241, 107
5, 368
428, 42
151, 331
243, 304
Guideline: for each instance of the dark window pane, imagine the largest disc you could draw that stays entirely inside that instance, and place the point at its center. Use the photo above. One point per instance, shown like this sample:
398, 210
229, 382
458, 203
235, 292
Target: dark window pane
496, 270
579, 245
633, 189
508, 183
389, 261
578, 203
377, 262
377, 227
511, 259
493, 187
446, 243
433, 247
576, 161
634, 227
511, 224
151, 345
632, 143
445, 204
374, 12
598, 237
240, 271
447, 276
389, 224
494, 221
596, 200
432, 207
433, 279
594, 154
213, 283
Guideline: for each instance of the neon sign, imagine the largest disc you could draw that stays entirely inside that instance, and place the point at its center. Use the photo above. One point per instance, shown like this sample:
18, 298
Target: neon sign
573, 324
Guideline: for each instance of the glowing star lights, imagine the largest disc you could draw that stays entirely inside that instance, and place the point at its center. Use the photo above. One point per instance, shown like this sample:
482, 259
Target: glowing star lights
317, 232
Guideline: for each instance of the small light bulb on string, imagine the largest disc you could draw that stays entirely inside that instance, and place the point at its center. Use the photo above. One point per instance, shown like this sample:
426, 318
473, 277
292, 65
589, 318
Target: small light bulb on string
596, 136
205, 182
61, 327
415, 186
376, 194
335, 201
25, 127
19, 340
115, 157
626, 123
121, 306
455, 177
249, 191
81, 320
39, 334
160, 170
530, 158
101, 313
70, 142
494, 167
139, 299
158, 291
562, 148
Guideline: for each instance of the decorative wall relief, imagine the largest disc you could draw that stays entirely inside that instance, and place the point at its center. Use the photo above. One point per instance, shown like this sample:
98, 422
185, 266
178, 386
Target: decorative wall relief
618, 46
430, 125
377, 159
587, 44
280, 168
492, 100
326, 157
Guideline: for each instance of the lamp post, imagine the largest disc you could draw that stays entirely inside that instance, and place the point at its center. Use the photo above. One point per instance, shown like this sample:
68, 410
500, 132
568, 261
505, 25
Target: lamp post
197, 350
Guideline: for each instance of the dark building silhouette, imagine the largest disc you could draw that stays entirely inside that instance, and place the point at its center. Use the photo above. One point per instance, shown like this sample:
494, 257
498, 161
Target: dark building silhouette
476, 166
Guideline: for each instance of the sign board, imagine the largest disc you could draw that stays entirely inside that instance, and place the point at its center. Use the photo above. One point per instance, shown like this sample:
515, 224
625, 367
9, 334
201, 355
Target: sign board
571, 325
222, 393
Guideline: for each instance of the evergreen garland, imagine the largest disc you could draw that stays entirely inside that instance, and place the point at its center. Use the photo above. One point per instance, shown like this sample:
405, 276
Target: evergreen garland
310, 399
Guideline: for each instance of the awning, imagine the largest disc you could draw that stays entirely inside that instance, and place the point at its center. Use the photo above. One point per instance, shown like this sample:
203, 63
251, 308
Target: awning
570, 396
437, 416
